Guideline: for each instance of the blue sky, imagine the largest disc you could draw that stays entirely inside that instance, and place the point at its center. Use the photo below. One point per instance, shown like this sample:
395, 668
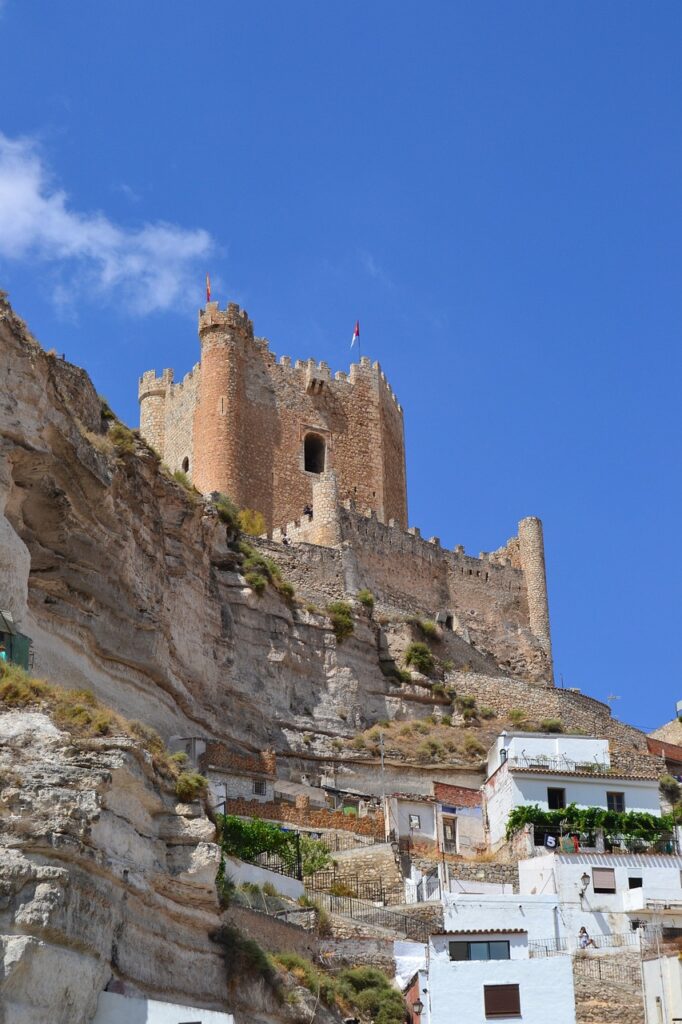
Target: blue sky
493, 189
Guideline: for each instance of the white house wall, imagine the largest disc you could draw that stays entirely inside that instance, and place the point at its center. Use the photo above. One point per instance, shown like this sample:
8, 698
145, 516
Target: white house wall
581, 749
401, 811
663, 988
116, 1009
545, 986
537, 915
239, 871
587, 792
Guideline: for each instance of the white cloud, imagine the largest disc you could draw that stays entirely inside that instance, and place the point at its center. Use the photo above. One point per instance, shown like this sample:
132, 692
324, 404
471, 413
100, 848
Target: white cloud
149, 268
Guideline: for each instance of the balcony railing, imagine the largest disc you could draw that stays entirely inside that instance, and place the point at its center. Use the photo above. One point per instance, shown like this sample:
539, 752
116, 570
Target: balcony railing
559, 764
571, 944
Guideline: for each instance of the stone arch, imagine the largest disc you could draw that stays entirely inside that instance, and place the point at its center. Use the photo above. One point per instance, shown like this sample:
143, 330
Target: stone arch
314, 453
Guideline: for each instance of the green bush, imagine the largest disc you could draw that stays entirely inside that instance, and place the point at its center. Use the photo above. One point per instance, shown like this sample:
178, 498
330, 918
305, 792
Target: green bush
190, 786
341, 615
430, 750
551, 725
359, 742
227, 511
429, 629
224, 885
368, 990
244, 958
181, 478
465, 703
257, 582
246, 838
473, 746
286, 589
419, 657
366, 598
122, 438
670, 788
438, 689
252, 522
486, 712
106, 410
517, 715
635, 824
310, 976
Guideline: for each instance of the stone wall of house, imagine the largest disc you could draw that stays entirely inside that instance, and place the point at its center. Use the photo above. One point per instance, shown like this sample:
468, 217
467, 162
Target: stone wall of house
308, 817
220, 755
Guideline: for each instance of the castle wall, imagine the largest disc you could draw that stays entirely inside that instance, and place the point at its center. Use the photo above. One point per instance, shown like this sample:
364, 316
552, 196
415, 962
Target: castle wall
242, 419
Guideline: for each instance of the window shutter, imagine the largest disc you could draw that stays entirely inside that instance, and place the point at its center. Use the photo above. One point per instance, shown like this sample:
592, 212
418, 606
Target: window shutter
603, 879
502, 1000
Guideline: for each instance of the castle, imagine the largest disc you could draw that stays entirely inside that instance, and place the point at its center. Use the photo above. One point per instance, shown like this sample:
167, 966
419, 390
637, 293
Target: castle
263, 431
323, 459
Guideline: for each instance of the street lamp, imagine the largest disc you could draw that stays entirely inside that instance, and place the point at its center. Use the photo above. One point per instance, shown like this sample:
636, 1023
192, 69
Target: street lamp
584, 881
417, 1007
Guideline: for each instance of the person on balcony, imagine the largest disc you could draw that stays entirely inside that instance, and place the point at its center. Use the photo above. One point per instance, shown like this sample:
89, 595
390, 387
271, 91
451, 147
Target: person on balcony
584, 939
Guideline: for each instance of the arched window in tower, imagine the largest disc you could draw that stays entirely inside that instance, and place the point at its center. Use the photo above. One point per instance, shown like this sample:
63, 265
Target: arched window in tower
314, 452
185, 465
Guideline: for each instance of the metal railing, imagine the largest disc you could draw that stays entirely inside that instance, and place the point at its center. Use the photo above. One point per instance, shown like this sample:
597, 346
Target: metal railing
571, 944
326, 880
253, 898
559, 764
366, 913
337, 842
602, 969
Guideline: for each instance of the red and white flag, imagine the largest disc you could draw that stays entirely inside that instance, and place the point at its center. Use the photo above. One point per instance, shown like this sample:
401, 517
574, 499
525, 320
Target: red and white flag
208, 288
356, 333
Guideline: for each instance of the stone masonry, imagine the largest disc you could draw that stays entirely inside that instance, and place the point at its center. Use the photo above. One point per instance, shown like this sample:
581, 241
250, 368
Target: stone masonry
261, 430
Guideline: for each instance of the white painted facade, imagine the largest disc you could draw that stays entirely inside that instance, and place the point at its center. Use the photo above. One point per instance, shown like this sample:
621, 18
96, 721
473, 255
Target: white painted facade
534, 749
412, 817
461, 984
509, 788
537, 916
663, 989
117, 1009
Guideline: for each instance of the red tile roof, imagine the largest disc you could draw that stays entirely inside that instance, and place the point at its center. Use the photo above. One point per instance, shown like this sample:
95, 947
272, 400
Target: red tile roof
456, 796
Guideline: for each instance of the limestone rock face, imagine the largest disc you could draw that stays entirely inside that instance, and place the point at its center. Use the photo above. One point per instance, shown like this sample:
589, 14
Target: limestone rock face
104, 879
128, 587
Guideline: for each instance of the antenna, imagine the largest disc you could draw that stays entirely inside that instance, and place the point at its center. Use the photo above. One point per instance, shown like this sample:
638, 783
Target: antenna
611, 698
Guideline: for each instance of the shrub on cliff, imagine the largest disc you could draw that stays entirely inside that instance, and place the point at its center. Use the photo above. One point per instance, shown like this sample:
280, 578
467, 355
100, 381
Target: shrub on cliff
366, 598
190, 786
122, 438
252, 522
473, 747
244, 958
670, 788
227, 511
257, 582
551, 725
341, 615
418, 656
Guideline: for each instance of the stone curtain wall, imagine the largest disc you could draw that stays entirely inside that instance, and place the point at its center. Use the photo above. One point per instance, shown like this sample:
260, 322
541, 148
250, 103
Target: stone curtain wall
167, 415
575, 710
307, 817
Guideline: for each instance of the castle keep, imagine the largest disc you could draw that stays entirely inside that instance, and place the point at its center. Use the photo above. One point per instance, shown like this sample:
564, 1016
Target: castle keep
263, 430
323, 459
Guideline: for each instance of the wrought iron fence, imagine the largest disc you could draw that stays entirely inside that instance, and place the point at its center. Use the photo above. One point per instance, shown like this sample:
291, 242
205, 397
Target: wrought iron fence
378, 917
571, 944
328, 880
602, 969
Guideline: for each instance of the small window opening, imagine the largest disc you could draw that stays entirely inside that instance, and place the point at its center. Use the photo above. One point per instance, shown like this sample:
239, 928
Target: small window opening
185, 465
634, 883
314, 453
449, 622
259, 787
615, 802
556, 799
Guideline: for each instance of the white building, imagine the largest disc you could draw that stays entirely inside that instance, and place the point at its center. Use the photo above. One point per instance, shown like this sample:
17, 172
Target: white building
554, 771
118, 1009
496, 980
663, 989
450, 820
607, 892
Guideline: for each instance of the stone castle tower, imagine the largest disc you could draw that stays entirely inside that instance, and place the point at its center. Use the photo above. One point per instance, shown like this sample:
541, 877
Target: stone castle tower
264, 431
